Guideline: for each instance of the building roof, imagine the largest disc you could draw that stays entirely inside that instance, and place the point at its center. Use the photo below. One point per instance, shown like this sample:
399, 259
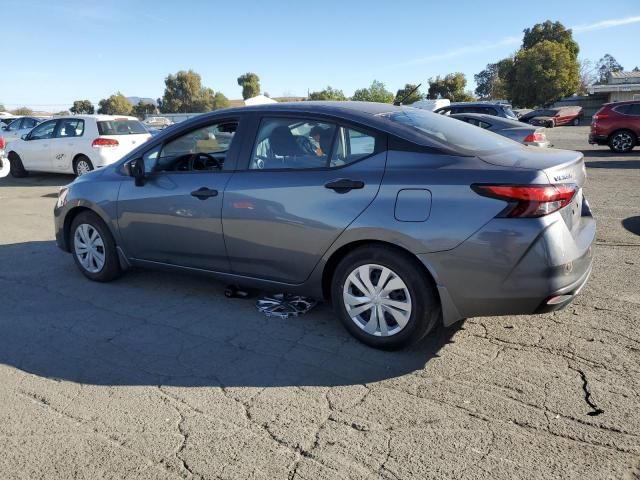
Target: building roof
633, 75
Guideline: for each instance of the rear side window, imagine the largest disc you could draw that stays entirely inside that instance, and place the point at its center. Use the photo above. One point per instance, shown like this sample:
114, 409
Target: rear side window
29, 123
120, 127
350, 146
629, 109
70, 128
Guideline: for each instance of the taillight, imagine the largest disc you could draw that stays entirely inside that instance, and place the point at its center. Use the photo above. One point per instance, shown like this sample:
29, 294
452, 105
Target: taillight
527, 201
2, 143
536, 137
105, 142
600, 116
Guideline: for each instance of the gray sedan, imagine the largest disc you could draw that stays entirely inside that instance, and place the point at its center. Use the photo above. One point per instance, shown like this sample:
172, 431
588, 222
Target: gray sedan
517, 131
399, 217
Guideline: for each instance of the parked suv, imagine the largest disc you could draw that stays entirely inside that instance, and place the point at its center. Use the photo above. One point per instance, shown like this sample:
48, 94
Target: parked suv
553, 117
488, 108
616, 125
76, 144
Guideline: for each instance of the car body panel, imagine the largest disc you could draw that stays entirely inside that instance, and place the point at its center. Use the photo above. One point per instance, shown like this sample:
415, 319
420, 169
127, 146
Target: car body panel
506, 127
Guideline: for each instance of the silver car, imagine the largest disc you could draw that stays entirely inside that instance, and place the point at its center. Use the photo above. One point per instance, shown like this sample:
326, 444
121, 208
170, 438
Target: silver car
401, 218
517, 131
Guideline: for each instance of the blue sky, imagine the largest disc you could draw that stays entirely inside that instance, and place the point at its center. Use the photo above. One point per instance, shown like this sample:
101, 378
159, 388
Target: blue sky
55, 52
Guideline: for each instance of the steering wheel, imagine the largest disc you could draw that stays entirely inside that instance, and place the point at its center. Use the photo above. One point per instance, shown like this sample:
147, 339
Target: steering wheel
260, 161
202, 161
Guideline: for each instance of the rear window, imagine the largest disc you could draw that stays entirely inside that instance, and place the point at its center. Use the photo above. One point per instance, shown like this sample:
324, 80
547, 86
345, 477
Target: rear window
449, 132
120, 127
508, 112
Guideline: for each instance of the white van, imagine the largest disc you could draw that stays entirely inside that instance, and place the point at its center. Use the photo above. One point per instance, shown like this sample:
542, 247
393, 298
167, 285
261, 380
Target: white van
431, 105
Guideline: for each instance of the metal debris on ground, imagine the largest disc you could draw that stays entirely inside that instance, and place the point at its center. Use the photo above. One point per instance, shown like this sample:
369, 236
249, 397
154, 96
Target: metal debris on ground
284, 305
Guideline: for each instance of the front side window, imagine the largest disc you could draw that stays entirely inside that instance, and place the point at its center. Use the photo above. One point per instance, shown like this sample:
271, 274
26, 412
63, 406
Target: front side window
28, 123
204, 149
43, 131
71, 128
15, 125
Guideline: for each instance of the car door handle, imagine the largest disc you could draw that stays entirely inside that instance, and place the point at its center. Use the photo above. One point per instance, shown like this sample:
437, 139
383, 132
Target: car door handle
203, 193
344, 185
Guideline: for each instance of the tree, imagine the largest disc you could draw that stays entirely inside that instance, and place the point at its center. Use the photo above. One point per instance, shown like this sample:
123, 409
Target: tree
552, 32
327, 94
2, 107
587, 75
636, 69
142, 109
82, 106
543, 74
184, 93
494, 82
116, 104
22, 111
250, 83
375, 93
451, 87
412, 98
606, 66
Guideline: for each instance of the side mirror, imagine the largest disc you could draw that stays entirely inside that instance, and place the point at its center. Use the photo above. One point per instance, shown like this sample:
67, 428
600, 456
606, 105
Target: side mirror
24, 136
136, 170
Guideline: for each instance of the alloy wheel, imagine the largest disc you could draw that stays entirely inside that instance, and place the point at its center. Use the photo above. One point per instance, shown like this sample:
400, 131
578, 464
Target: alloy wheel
89, 248
377, 300
83, 167
622, 141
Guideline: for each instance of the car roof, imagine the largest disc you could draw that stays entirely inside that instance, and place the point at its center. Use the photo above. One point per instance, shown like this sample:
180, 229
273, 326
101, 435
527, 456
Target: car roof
98, 117
480, 104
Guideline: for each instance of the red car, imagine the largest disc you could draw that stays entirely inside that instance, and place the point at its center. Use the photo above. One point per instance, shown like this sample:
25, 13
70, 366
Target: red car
553, 117
617, 125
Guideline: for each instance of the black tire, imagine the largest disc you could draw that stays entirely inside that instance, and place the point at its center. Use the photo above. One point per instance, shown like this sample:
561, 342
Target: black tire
575, 122
17, 169
551, 124
82, 160
111, 268
425, 307
622, 141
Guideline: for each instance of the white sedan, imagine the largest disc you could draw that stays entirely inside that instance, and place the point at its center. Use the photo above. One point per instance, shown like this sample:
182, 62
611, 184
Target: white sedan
76, 144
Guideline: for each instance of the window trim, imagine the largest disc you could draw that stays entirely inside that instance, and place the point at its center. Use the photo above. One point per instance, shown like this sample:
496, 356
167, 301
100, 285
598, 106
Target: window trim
380, 144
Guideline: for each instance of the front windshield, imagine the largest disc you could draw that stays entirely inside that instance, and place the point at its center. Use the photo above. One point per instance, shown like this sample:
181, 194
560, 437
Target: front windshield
448, 132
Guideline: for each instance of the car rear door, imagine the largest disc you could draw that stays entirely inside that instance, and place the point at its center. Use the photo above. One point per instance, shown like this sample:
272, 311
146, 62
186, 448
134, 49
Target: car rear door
67, 143
305, 179
174, 218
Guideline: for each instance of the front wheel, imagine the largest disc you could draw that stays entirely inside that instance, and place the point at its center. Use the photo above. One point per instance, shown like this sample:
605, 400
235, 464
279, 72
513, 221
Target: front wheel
576, 122
16, 167
93, 248
383, 297
622, 141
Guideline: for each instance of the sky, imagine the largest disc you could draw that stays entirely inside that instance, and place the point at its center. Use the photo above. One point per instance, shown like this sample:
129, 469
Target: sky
55, 52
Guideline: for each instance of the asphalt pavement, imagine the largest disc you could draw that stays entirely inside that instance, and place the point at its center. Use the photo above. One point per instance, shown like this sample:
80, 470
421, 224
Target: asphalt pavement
158, 375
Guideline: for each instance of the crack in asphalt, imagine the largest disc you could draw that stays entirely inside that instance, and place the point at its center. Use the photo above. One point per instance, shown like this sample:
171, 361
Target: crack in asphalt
595, 411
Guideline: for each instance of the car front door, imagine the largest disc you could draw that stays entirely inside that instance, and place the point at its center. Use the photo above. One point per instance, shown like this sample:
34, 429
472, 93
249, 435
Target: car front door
174, 218
304, 181
35, 151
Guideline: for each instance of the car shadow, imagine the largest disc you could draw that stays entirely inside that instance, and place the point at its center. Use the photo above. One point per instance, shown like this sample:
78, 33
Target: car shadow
37, 179
614, 164
632, 224
151, 328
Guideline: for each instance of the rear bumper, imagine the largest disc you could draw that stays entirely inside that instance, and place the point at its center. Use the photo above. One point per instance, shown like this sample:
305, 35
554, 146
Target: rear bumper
598, 139
514, 267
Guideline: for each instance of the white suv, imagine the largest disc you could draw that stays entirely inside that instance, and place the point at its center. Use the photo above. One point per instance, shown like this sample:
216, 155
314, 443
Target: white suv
76, 144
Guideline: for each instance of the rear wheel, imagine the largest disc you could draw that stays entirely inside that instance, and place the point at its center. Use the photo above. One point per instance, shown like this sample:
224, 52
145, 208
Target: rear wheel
383, 297
16, 167
575, 122
82, 165
93, 248
550, 124
622, 141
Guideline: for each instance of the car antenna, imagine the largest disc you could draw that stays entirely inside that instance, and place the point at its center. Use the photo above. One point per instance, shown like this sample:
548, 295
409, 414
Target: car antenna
399, 102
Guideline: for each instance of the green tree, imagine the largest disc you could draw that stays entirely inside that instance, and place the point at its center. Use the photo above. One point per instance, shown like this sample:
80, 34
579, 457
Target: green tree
328, 94
116, 104
544, 73
82, 106
22, 111
636, 69
606, 66
494, 82
184, 93
250, 83
552, 32
375, 93
412, 98
142, 109
220, 101
451, 87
